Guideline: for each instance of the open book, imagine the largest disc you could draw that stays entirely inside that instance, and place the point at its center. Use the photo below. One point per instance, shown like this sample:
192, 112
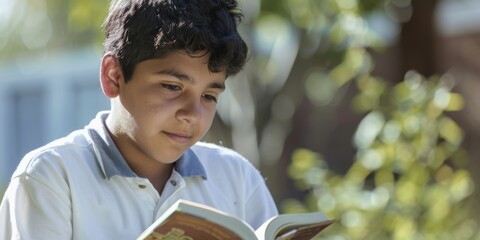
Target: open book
191, 221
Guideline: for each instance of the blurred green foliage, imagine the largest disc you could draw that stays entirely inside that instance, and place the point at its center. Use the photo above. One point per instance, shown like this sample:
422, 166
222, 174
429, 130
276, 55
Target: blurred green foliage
33, 26
409, 179
305, 51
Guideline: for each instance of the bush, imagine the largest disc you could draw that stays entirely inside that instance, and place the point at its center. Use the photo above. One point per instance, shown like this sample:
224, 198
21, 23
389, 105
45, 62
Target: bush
409, 179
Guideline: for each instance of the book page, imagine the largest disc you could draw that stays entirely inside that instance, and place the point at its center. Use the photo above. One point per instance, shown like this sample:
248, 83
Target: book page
304, 233
293, 226
187, 227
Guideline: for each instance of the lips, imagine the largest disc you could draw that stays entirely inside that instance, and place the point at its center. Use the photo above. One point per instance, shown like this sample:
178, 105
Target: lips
179, 137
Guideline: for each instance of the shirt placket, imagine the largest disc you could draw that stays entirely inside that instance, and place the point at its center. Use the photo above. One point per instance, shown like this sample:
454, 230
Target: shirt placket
169, 195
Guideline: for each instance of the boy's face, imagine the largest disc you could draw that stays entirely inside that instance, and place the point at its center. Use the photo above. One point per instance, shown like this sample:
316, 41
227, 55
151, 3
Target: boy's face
166, 107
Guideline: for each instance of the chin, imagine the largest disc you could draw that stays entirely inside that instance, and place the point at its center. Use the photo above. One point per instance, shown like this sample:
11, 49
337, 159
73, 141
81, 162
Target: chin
168, 158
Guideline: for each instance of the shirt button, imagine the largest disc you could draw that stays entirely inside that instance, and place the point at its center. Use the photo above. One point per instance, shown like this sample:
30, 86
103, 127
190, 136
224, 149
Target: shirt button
173, 182
142, 186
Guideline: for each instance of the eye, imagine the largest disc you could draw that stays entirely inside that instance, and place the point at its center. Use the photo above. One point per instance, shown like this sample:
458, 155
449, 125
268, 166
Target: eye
211, 98
171, 87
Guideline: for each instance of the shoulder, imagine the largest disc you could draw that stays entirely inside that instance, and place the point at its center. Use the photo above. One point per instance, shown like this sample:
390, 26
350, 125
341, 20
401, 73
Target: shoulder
211, 148
208, 152
50, 158
215, 157
237, 178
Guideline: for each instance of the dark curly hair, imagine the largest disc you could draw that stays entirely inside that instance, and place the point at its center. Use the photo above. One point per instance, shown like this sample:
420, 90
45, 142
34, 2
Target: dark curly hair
137, 30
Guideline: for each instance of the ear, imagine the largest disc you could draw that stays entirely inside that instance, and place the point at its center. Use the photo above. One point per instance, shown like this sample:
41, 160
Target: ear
110, 75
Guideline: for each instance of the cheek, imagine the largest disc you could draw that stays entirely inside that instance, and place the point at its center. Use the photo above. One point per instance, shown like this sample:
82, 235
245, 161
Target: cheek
151, 118
207, 120
159, 110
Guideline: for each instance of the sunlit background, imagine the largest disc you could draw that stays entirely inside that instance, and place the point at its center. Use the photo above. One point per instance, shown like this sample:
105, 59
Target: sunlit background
364, 109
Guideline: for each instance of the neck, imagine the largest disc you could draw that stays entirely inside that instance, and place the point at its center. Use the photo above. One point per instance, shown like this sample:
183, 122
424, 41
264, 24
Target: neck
143, 165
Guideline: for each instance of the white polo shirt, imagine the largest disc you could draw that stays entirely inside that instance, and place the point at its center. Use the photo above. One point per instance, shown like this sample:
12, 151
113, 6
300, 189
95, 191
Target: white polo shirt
80, 187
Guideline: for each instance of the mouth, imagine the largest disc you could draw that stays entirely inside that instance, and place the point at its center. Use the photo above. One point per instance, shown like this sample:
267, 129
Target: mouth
179, 137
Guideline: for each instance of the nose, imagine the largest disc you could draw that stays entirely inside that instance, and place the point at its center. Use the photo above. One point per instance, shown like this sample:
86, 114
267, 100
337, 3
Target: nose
190, 110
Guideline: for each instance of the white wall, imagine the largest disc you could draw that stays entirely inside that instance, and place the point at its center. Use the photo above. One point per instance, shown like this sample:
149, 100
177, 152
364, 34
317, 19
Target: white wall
43, 98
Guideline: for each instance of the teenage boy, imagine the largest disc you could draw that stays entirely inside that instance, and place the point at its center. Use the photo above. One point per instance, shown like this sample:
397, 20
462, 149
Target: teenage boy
164, 68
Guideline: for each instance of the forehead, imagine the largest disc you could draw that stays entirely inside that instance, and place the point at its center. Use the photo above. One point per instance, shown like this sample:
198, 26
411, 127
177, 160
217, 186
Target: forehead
183, 66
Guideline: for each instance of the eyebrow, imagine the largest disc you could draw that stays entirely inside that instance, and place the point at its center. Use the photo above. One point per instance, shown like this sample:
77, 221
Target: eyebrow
184, 77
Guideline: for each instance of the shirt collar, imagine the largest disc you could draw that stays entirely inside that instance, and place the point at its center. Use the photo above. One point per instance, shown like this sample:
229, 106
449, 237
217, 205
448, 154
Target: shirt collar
113, 163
